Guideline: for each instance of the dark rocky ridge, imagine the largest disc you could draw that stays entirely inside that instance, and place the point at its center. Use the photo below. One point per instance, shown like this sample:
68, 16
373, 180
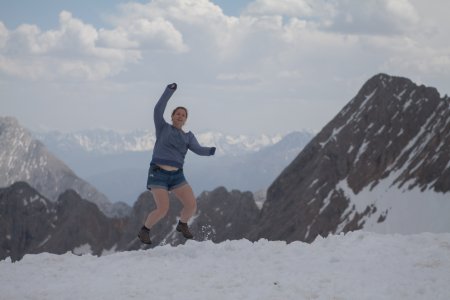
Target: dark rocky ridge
30, 223
392, 125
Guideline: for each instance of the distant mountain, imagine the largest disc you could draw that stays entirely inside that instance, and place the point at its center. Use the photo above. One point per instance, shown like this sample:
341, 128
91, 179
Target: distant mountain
23, 158
116, 164
382, 164
101, 141
249, 172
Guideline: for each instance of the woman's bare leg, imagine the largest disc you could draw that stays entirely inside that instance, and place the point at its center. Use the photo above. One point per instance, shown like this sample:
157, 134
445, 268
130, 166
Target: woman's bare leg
161, 197
187, 198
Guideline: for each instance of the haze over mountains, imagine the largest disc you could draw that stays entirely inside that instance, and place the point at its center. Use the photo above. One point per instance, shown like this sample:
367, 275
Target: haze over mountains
117, 163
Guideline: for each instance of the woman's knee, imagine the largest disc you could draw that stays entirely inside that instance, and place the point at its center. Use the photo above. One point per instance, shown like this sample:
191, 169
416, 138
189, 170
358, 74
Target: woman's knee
194, 205
162, 209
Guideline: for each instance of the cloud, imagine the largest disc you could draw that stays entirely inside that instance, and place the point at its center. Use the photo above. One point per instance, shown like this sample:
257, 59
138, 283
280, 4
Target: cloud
345, 16
379, 17
78, 50
298, 62
268, 41
293, 8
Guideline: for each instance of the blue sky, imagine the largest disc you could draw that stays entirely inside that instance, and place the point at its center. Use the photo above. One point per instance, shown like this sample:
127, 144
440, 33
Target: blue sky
45, 12
262, 66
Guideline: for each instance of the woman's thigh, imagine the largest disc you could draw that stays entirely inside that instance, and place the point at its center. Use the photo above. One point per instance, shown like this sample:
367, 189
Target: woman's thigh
161, 197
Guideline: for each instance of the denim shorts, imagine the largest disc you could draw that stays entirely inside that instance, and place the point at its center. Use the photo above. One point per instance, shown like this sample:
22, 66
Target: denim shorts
163, 179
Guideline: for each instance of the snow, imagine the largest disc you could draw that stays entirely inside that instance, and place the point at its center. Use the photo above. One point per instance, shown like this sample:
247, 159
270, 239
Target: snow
399, 96
103, 142
82, 249
358, 265
362, 150
333, 135
406, 211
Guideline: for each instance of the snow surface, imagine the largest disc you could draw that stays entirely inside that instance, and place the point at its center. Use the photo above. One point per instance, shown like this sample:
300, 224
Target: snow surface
358, 265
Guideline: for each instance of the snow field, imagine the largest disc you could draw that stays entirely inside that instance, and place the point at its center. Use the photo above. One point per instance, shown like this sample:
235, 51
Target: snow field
358, 265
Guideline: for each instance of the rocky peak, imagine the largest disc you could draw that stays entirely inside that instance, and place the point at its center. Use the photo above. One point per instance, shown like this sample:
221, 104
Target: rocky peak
392, 130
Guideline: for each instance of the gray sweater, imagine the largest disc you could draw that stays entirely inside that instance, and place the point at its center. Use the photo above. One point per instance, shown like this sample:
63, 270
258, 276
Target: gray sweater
172, 143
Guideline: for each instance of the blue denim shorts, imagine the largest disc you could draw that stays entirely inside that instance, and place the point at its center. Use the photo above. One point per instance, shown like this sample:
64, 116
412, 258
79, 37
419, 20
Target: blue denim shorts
163, 179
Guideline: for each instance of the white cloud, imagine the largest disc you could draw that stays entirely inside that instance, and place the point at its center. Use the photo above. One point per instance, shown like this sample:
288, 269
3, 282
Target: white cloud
195, 39
345, 16
78, 50
374, 17
294, 8
297, 64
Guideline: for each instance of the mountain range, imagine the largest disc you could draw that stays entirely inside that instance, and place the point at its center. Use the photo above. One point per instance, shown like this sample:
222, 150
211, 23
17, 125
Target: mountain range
117, 163
103, 141
381, 164
74, 224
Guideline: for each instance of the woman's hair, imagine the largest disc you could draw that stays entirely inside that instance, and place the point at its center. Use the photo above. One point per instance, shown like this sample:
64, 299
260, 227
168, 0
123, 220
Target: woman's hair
180, 107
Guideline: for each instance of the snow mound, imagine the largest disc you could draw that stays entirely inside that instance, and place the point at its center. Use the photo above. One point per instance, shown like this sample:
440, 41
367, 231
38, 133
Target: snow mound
358, 265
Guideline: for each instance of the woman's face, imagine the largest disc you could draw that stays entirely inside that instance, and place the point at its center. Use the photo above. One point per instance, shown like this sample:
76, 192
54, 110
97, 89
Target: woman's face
179, 118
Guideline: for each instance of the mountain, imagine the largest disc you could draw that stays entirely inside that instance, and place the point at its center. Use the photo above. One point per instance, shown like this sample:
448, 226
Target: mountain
248, 172
221, 215
102, 141
31, 223
117, 163
23, 158
382, 164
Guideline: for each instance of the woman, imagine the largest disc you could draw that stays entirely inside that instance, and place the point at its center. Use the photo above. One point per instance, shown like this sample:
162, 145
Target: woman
166, 168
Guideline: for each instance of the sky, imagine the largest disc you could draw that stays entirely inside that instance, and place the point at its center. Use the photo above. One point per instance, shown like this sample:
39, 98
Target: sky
242, 67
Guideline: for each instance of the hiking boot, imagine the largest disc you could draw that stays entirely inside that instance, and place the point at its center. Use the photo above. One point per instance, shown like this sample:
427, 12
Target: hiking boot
144, 235
184, 229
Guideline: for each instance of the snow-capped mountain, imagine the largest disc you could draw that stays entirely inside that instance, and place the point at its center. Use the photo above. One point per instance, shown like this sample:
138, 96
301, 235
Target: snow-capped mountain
23, 158
382, 164
116, 164
101, 141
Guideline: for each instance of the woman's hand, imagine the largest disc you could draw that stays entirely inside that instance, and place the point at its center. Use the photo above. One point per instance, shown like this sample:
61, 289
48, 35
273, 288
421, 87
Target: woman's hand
172, 86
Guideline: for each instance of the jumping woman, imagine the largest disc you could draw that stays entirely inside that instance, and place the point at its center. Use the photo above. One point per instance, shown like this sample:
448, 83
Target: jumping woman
166, 167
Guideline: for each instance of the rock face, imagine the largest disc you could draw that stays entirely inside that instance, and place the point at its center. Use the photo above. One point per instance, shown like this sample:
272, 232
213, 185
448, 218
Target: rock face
30, 223
381, 164
221, 215
23, 158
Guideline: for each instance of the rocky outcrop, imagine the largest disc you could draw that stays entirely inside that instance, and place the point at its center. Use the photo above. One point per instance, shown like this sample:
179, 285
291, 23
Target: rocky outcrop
392, 136
30, 223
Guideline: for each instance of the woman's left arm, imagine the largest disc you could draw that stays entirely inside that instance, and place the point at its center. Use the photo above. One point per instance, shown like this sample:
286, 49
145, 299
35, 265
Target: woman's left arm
195, 147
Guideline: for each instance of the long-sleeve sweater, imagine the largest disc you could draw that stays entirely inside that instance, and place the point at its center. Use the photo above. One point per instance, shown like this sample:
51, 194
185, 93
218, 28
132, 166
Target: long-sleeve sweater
172, 143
